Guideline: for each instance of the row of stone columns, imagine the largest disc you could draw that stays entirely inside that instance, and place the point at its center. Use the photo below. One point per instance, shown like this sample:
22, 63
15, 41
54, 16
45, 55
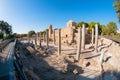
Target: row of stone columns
81, 40
96, 37
59, 40
36, 40
80, 43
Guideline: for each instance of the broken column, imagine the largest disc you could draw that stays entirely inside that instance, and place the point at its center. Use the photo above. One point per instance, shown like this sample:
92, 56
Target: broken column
59, 41
83, 37
47, 39
92, 39
78, 44
101, 63
54, 37
96, 37
35, 40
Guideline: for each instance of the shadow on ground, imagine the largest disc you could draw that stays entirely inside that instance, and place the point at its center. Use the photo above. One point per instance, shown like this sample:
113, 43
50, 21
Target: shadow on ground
45, 71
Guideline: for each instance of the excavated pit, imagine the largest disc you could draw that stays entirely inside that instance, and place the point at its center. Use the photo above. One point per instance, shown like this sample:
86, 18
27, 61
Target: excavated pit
44, 64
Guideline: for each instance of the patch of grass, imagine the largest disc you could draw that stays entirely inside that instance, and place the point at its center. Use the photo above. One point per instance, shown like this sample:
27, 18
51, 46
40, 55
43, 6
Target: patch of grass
1, 40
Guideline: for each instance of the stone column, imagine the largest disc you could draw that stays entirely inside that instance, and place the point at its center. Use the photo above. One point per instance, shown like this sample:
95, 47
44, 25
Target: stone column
37, 38
50, 31
32, 40
40, 39
92, 39
101, 63
28, 38
72, 36
96, 37
59, 41
47, 39
83, 37
78, 44
54, 37
44, 37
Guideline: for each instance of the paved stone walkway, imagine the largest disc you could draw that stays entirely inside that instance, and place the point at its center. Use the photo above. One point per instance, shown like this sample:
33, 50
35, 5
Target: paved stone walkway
4, 62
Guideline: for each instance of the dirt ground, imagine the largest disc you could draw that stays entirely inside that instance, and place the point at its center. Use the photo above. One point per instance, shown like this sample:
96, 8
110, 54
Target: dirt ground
45, 64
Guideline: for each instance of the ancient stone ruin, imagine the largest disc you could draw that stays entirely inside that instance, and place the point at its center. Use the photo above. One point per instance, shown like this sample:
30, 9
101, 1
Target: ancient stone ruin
69, 53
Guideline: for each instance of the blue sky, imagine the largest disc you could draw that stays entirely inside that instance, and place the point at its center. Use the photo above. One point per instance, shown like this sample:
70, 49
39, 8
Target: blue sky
26, 15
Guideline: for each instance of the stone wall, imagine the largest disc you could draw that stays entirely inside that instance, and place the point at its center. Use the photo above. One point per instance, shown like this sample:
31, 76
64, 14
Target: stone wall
87, 37
69, 35
66, 35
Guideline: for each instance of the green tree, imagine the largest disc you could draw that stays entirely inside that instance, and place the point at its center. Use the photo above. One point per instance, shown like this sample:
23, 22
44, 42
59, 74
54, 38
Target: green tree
5, 28
92, 25
79, 24
104, 29
112, 28
31, 33
1, 35
116, 4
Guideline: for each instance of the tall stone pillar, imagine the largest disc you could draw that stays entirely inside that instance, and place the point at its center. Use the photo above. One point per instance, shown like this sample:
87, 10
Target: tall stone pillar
40, 39
83, 37
28, 38
78, 44
92, 39
47, 39
72, 36
54, 37
44, 37
37, 38
59, 41
96, 37
50, 31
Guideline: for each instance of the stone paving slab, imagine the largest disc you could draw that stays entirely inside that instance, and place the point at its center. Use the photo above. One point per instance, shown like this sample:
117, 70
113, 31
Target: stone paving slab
4, 61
